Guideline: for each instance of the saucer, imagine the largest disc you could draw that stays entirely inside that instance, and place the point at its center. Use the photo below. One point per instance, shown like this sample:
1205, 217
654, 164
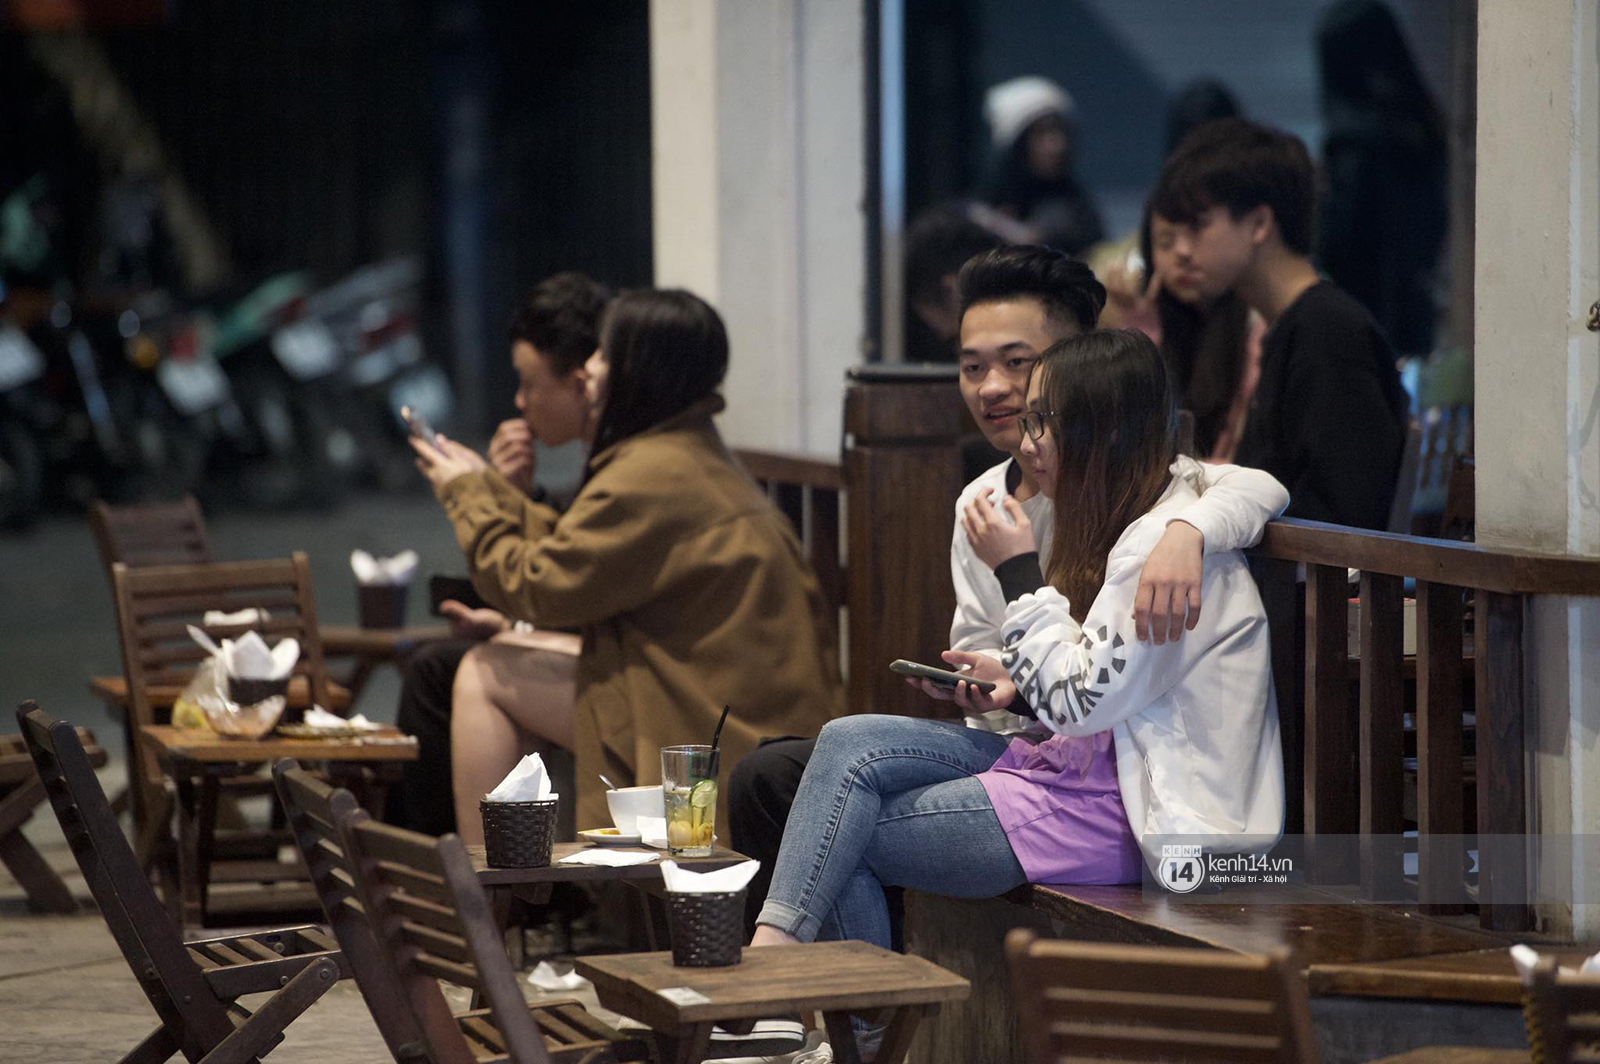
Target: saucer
608, 837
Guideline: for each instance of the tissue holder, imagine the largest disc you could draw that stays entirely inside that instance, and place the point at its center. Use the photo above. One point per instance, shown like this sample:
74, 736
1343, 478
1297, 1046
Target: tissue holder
518, 834
247, 692
707, 929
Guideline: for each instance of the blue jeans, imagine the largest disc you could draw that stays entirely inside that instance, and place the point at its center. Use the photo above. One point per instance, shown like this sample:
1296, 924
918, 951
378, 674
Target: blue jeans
887, 801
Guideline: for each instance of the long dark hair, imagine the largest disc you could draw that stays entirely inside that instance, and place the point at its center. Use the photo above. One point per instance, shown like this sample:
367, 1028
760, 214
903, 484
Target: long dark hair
1114, 434
666, 349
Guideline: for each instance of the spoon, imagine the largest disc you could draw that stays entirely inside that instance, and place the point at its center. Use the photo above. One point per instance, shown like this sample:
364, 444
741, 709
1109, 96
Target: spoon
609, 785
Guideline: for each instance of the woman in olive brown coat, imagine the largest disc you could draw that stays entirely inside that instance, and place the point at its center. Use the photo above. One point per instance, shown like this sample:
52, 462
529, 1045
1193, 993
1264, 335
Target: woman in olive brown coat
689, 587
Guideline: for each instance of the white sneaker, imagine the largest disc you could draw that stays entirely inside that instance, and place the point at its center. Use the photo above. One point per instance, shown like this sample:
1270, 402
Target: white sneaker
814, 1051
768, 1040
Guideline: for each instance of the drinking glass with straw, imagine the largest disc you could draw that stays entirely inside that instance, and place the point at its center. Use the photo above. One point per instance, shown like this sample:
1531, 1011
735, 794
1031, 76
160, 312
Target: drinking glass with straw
689, 784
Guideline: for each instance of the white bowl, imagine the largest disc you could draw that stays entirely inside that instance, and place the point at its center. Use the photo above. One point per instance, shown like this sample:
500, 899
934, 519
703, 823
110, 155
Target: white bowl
628, 804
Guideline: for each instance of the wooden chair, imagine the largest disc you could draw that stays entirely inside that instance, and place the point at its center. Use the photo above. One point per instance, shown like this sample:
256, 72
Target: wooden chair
154, 606
193, 986
1088, 1001
20, 793
409, 911
1563, 1016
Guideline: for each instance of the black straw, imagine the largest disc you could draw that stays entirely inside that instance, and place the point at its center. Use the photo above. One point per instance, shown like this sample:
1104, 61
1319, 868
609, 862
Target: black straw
716, 735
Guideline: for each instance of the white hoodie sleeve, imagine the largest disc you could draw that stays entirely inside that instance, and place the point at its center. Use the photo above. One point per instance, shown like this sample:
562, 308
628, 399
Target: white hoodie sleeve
1082, 679
1235, 504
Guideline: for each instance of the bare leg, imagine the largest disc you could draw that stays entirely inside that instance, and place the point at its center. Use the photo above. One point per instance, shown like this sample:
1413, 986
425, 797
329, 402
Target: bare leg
512, 693
767, 935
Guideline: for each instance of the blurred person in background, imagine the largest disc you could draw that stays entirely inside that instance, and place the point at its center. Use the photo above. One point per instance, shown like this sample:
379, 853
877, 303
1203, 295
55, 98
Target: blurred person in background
1031, 179
1328, 418
937, 243
1384, 211
1212, 346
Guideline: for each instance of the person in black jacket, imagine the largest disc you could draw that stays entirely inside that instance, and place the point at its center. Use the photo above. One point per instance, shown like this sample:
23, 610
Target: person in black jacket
1329, 416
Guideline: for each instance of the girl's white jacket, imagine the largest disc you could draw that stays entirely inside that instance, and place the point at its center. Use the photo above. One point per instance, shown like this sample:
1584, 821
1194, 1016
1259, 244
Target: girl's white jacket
1195, 722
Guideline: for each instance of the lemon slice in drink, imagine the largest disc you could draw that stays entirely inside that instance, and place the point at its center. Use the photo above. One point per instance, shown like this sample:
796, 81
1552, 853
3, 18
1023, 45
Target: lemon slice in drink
703, 794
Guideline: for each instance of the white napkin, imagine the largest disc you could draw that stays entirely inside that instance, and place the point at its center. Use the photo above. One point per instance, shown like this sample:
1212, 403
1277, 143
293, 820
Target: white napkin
652, 831
546, 977
249, 659
318, 717
1525, 957
722, 881
528, 782
248, 615
396, 570
609, 858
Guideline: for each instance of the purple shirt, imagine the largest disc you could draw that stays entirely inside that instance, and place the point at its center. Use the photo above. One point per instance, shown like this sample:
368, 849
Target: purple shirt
1061, 809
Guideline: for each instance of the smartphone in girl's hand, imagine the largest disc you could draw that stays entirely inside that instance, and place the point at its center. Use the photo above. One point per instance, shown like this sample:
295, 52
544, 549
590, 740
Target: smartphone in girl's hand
420, 426
939, 677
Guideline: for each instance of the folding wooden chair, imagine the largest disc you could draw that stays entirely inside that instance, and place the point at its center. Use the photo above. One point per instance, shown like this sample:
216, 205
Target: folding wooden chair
20, 793
1563, 1016
409, 911
193, 986
1090, 1001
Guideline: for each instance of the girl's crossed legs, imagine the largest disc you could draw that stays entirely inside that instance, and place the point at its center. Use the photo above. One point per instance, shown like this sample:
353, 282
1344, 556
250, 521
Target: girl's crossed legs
886, 801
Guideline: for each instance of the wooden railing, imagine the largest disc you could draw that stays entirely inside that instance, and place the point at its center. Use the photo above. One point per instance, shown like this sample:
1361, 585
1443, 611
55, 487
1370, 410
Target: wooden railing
807, 489
1344, 763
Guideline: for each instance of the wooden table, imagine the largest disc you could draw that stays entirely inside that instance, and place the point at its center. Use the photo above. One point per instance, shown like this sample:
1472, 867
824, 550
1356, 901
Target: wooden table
198, 760
838, 979
532, 885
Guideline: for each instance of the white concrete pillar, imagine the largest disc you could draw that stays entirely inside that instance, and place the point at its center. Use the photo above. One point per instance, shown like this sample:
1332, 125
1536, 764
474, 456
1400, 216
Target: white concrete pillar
759, 171
1538, 392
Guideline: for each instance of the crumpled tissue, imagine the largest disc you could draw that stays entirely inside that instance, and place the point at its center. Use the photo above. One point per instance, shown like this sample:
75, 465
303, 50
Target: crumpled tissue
609, 858
396, 570
1526, 957
318, 717
680, 880
546, 977
528, 782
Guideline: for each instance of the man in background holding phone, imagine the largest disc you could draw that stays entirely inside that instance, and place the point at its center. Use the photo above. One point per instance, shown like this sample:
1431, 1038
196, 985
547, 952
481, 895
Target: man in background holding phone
554, 331
1017, 301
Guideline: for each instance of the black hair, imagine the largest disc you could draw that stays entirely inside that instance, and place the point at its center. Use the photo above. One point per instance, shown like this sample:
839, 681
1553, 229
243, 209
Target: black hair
561, 319
1197, 103
1239, 165
1114, 430
937, 243
665, 350
1066, 287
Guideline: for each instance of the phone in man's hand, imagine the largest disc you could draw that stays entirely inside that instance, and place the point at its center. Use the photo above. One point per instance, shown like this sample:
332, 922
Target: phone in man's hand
444, 588
939, 677
419, 425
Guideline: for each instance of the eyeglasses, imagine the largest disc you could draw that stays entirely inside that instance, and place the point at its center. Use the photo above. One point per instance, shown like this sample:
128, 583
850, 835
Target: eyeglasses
1033, 423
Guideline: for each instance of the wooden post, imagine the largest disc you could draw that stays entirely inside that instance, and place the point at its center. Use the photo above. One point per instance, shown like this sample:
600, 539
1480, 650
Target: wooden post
1502, 770
1330, 733
902, 476
1441, 857
1382, 704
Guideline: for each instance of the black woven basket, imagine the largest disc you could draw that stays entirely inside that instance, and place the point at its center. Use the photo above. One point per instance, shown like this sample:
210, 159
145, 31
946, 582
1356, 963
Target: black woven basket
707, 929
249, 692
518, 834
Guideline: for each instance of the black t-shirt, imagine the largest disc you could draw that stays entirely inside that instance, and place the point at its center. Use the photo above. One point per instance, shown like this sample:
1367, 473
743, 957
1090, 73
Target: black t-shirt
1329, 416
